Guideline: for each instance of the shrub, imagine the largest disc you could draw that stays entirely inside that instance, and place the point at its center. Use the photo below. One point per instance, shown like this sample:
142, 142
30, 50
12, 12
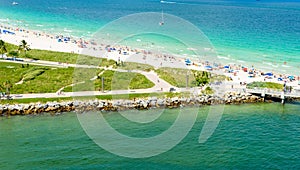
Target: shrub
31, 75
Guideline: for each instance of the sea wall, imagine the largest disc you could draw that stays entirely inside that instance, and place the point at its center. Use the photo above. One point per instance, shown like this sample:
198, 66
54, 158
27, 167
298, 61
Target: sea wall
119, 105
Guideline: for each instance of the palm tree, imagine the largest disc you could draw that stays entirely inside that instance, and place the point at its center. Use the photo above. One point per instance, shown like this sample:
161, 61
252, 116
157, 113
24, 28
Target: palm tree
2, 47
7, 84
23, 47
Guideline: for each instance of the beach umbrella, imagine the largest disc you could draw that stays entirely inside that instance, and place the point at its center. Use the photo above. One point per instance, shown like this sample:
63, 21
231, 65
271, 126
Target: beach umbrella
251, 74
208, 67
291, 77
226, 66
188, 62
268, 74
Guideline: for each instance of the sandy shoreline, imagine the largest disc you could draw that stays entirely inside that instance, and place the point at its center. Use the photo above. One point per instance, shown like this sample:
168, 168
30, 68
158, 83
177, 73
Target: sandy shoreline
61, 43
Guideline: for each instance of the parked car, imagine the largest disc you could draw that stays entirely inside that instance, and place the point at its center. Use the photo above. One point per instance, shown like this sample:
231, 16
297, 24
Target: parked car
172, 89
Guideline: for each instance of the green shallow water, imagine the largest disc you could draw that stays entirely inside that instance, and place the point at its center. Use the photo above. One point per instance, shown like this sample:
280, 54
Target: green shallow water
249, 136
264, 34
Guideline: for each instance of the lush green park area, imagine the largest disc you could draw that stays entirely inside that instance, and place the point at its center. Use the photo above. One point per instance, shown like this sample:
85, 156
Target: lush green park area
113, 81
25, 78
178, 77
33, 79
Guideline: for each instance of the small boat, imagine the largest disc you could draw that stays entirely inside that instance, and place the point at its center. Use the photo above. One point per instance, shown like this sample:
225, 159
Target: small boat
15, 3
162, 19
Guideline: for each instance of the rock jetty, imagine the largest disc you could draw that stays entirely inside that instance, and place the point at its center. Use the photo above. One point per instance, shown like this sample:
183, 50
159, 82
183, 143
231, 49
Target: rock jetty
119, 105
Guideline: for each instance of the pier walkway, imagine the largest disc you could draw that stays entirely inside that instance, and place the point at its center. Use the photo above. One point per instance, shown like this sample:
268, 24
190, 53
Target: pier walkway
275, 93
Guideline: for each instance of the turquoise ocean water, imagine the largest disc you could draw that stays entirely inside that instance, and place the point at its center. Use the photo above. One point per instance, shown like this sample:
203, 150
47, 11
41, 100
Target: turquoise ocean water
262, 33
259, 136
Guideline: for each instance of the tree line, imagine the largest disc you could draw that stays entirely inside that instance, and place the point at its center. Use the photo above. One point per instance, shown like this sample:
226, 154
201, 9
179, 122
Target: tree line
22, 48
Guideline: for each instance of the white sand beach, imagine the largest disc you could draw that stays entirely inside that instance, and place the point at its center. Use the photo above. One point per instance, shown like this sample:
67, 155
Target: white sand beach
60, 43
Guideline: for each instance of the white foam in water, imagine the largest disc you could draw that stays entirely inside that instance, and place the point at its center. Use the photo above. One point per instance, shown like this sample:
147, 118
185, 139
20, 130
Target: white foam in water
208, 49
168, 2
39, 25
66, 30
267, 63
240, 61
192, 49
138, 40
222, 57
264, 67
4, 20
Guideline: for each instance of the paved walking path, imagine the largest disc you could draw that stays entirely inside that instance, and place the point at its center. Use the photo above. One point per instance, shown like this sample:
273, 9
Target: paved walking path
160, 84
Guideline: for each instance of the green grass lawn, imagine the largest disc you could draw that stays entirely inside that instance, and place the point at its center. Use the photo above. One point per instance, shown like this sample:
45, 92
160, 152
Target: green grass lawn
40, 79
135, 66
269, 85
114, 81
36, 79
176, 77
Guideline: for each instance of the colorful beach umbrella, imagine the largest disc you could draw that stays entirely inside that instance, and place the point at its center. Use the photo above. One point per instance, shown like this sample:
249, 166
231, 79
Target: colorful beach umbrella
208, 67
268, 74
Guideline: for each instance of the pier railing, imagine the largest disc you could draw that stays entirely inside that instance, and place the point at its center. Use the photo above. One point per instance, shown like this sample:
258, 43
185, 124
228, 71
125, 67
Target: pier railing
274, 92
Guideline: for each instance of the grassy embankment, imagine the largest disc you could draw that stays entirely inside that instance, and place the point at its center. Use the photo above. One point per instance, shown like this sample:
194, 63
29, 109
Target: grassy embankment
102, 97
134, 66
114, 81
36, 79
39, 79
178, 77
268, 85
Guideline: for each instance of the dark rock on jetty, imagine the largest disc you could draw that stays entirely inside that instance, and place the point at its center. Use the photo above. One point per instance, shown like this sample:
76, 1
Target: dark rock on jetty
119, 105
